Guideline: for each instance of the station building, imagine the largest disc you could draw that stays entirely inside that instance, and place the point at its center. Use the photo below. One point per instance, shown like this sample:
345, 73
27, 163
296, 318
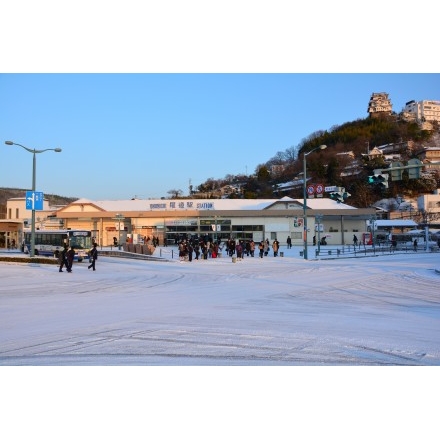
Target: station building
257, 219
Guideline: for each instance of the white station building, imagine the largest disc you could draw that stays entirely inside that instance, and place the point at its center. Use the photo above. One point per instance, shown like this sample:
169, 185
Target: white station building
172, 219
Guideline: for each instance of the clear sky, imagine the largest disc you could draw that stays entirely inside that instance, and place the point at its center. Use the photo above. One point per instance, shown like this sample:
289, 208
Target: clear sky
145, 134
223, 106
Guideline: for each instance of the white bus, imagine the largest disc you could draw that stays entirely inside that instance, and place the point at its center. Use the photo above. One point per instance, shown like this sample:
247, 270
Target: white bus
50, 242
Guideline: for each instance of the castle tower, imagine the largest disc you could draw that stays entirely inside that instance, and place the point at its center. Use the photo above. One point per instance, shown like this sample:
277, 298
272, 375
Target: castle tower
379, 105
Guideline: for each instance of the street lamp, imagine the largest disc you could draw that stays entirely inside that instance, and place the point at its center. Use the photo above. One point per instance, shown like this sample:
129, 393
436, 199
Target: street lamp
34, 152
321, 147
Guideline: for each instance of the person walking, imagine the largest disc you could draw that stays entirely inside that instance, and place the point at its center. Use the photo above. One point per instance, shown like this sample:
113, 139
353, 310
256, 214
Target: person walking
415, 244
252, 246
63, 259
261, 248
275, 247
70, 256
266, 247
190, 251
355, 240
197, 250
239, 250
93, 257
248, 248
289, 242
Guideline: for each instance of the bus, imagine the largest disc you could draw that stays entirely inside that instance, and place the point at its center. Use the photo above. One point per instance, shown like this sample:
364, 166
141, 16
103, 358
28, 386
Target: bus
51, 241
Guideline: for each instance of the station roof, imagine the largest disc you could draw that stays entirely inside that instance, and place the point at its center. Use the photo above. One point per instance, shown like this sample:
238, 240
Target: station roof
209, 204
395, 223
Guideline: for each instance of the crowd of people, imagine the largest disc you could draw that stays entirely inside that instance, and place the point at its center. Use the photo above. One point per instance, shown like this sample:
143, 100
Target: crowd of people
202, 248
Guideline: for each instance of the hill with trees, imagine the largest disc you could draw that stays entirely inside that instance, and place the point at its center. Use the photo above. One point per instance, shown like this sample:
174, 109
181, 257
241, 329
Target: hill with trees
345, 163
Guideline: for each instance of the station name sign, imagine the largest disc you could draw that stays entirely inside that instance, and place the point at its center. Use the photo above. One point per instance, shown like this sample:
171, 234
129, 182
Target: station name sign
182, 204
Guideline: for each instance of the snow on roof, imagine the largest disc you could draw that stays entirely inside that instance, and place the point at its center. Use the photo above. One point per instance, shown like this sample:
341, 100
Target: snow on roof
395, 223
179, 204
325, 203
206, 204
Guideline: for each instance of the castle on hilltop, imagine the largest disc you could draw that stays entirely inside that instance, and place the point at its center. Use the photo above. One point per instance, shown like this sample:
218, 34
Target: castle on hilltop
379, 105
424, 113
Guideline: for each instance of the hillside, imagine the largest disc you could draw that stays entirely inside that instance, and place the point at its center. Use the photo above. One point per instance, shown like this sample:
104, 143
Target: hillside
343, 163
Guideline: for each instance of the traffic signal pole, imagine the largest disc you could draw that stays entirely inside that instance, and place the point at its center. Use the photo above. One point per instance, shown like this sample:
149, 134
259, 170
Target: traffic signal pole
405, 167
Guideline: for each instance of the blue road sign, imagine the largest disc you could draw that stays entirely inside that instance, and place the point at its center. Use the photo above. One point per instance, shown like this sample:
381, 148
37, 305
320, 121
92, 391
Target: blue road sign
34, 200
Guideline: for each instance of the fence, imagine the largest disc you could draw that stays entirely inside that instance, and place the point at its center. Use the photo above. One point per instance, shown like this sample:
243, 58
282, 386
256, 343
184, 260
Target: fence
380, 249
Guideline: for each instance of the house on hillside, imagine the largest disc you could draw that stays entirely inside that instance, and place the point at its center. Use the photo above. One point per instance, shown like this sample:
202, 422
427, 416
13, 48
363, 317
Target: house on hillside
347, 154
277, 170
352, 169
398, 147
430, 157
430, 203
374, 153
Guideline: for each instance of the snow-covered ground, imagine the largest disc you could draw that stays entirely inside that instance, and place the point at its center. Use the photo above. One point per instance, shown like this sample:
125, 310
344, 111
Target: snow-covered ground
381, 310
283, 311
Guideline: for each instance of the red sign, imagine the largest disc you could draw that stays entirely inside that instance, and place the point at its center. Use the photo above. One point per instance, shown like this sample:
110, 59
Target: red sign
319, 188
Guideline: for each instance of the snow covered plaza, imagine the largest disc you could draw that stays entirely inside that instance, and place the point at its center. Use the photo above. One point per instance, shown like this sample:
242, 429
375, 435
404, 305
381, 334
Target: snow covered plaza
208, 319
382, 310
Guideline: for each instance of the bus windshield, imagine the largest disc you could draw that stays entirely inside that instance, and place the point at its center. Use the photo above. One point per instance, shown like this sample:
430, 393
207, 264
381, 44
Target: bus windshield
81, 241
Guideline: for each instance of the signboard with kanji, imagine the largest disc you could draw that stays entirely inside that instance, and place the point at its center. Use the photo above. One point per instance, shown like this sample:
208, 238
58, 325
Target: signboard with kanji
34, 200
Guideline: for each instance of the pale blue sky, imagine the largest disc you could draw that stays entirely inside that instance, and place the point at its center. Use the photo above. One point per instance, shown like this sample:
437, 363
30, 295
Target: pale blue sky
144, 134
126, 134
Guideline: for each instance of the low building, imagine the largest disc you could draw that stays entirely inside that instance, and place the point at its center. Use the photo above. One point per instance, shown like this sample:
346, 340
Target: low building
11, 234
257, 219
44, 219
18, 217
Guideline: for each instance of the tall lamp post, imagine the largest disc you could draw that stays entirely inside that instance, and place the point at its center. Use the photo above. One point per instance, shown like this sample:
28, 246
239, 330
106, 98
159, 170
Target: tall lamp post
321, 147
34, 152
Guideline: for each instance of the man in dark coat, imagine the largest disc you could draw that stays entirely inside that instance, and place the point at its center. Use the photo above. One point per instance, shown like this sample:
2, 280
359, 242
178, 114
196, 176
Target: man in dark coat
93, 257
70, 256
63, 259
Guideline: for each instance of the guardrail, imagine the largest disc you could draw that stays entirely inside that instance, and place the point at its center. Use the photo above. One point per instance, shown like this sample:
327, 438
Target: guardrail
353, 251
131, 255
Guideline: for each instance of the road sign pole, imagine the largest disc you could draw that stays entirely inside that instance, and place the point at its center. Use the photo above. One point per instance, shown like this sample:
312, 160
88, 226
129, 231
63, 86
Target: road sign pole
34, 168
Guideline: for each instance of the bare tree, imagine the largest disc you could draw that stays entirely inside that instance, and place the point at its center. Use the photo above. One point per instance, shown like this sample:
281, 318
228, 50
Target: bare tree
175, 193
289, 154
